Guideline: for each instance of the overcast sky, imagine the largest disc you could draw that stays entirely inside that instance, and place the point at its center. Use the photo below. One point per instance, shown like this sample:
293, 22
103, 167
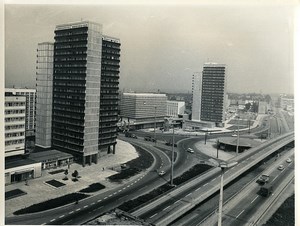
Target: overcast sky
162, 45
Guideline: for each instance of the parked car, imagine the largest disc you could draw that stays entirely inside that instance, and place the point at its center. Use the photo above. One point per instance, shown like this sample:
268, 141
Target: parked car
170, 144
288, 160
190, 150
161, 173
280, 167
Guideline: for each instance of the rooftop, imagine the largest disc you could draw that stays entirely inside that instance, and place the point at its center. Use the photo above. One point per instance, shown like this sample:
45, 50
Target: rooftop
18, 161
49, 154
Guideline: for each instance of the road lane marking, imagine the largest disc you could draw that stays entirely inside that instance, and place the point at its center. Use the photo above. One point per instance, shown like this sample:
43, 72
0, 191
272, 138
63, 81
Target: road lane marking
105, 198
61, 216
92, 203
188, 194
177, 201
240, 213
53, 220
78, 209
71, 212
153, 215
110, 195
205, 184
44, 223
275, 178
99, 200
166, 208
213, 179
198, 189
85, 206
254, 199
120, 190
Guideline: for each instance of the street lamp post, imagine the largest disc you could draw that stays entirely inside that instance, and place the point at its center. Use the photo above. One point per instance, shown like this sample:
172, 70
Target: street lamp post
223, 166
155, 124
172, 159
238, 136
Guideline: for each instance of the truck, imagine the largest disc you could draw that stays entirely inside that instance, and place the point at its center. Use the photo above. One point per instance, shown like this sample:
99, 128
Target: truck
263, 179
266, 190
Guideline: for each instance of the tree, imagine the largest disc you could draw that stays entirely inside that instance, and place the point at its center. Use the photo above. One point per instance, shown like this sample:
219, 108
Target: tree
75, 174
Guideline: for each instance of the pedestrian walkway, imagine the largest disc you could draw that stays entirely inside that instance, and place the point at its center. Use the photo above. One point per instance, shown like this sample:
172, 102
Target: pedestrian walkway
38, 191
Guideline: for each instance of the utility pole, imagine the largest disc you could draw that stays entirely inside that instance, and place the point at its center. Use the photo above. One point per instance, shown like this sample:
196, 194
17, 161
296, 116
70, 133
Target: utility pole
172, 159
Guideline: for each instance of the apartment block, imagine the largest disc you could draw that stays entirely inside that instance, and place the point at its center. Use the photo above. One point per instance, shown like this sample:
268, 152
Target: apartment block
14, 113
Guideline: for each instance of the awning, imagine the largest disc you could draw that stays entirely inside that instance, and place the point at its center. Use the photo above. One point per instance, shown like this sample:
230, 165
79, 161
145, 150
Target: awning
23, 171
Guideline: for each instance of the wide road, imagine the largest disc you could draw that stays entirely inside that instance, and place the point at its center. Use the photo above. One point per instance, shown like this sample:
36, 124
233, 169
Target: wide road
164, 210
103, 202
198, 215
246, 204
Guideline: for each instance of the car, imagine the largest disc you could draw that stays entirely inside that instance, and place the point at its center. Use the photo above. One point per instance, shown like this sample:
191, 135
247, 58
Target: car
264, 178
288, 160
161, 173
234, 135
190, 150
280, 167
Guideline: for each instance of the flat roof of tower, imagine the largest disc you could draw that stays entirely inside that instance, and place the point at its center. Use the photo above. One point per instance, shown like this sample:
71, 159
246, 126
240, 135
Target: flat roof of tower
212, 64
77, 24
145, 94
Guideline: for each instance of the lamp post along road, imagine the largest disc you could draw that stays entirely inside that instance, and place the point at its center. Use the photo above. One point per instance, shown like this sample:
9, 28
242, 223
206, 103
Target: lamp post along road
172, 159
238, 137
155, 124
223, 165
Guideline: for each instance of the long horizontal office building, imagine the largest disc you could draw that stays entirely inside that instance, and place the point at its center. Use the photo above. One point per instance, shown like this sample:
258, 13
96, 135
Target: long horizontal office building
143, 110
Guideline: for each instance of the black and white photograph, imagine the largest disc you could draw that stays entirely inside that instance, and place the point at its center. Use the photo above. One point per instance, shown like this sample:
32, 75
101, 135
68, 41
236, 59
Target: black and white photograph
153, 113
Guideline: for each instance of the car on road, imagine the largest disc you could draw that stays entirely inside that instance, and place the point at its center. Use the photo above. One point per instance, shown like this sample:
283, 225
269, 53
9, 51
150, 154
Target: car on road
161, 173
190, 150
264, 178
288, 160
170, 144
280, 167
148, 138
234, 135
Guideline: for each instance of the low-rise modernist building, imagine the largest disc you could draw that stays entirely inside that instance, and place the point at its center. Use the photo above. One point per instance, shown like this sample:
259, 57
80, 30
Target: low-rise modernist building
52, 158
175, 108
143, 110
17, 170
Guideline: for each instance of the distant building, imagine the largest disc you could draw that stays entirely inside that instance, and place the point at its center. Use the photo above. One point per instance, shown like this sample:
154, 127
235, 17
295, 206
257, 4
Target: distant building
44, 94
14, 113
196, 91
175, 108
143, 110
30, 95
209, 99
262, 107
287, 103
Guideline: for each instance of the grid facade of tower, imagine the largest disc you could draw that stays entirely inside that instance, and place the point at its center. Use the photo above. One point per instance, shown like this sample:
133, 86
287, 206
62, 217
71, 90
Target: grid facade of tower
213, 93
76, 89
109, 93
15, 107
44, 94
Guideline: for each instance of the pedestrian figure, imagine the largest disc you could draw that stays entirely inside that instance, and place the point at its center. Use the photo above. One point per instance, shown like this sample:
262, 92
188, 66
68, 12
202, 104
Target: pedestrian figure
26, 182
103, 168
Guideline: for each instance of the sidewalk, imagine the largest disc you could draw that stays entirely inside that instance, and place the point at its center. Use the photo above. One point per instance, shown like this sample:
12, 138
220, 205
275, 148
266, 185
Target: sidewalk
38, 191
